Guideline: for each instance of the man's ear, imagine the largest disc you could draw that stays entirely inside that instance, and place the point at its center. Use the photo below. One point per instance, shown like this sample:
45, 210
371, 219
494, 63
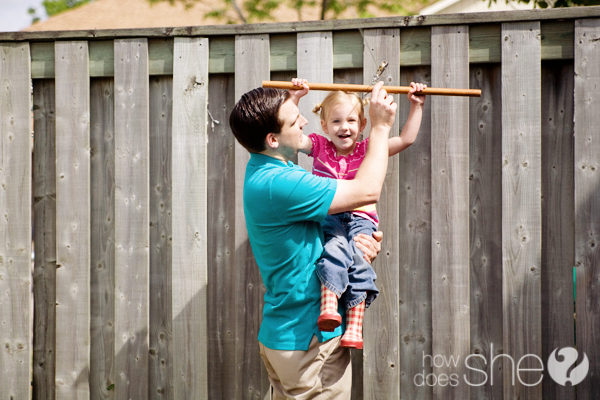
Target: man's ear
271, 140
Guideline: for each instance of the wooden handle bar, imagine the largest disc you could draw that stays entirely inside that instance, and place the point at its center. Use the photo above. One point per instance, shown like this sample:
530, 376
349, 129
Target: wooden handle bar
366, 88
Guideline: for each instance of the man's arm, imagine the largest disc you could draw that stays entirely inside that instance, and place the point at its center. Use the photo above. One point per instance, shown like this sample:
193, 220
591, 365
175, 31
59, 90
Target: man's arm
365, 188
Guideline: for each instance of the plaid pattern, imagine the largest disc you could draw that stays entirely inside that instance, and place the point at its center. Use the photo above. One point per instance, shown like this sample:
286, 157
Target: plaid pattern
329, 302
354, 322
329, 319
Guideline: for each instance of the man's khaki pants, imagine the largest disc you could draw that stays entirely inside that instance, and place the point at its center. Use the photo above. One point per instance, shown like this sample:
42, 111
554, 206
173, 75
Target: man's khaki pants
323, 371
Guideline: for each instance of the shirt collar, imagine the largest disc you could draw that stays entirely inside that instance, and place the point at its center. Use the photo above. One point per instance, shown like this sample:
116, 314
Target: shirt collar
262, 159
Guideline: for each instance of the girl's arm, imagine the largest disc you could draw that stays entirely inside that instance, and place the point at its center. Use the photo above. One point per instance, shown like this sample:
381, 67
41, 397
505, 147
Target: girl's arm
413, 122
297, 94
307, 149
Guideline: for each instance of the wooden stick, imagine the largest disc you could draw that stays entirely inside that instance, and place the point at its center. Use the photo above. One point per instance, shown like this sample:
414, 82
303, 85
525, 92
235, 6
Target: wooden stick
366, 88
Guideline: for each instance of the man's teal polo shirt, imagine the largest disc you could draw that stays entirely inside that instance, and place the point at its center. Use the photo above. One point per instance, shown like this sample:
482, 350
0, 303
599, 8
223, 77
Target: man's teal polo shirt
284, 206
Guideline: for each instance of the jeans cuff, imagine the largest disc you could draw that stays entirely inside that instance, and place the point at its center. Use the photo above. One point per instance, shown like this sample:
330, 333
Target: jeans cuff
330, 286
356, 302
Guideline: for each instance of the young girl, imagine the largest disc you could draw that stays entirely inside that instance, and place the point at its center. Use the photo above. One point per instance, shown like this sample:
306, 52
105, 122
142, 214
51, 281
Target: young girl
342, 269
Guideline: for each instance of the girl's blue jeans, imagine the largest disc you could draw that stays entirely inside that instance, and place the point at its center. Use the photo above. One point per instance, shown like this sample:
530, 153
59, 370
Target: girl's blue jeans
342, 268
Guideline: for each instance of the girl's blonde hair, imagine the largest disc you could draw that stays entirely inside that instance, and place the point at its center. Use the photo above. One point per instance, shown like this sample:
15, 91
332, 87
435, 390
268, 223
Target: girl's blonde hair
337, 97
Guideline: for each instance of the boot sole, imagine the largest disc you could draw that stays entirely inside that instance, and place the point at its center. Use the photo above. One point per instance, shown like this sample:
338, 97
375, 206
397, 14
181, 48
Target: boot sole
356, 344
328, 322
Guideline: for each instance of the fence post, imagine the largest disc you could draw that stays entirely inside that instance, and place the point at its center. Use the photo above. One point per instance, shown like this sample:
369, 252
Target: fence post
73, 224
587, 193
190, 102
521, 206
132, 228
450, 213
15, 225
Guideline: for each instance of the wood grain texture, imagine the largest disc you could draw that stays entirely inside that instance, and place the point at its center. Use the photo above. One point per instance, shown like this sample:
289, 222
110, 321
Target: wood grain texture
484, 43
73, 225
414, 254
251, 376
450, 208
131, 218
587, 193
521, 204
485, 226
102, 278
312, 26
381, 371
283, 51
15, 225
160, 377
190, 101
315, 64
42, 60
415, 49
221, 241
44, 230
557, 40
558, 251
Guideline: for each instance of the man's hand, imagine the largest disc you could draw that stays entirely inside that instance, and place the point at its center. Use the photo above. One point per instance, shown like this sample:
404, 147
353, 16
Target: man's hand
382, 108
371, 246
297, 94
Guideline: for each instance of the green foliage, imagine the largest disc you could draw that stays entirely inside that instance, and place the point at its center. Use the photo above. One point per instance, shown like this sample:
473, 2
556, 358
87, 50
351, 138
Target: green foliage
33, 12
186, 3
54, 7
248, 11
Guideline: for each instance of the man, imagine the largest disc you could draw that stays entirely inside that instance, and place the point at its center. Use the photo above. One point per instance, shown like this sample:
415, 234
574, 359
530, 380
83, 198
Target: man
284, 206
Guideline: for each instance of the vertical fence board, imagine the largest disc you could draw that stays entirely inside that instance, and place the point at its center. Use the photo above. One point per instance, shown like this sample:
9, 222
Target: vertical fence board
72, 220
485, 192
161, 327
190, 90
381, 373
558, 255
221, 241
414, 258
131, 218
250, 375
15, 228
587, 193
315, 64
449, 209
44, 222
521, 204
102, 278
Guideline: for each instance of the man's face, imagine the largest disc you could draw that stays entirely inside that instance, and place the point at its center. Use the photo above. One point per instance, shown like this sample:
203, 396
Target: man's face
291, 138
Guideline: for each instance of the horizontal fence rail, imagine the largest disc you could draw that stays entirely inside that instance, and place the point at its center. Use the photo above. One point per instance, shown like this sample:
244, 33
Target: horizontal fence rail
143, 284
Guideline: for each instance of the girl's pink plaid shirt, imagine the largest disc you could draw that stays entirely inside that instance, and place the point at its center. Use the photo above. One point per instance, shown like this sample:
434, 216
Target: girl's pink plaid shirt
329, 165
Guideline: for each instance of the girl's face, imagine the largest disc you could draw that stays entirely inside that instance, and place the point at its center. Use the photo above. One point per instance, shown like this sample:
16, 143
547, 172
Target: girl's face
343, 126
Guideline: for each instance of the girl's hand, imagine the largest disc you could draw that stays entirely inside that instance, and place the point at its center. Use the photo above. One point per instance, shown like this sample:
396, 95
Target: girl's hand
370, 245
297, 94
416, 99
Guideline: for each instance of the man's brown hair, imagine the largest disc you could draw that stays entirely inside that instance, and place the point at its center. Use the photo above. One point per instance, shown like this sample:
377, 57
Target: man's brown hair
255, 115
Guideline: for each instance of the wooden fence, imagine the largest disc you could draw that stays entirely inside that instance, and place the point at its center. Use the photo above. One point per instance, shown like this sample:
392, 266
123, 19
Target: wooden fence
143, 284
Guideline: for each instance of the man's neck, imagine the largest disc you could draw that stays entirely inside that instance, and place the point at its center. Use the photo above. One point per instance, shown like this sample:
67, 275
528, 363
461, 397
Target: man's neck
274, 154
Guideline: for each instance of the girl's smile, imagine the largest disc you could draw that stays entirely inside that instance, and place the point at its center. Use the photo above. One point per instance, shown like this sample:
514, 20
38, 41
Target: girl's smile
343, 125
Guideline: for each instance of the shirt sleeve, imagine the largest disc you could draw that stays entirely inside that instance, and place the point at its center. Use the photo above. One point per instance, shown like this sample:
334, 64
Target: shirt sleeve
297, 195
316, 145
